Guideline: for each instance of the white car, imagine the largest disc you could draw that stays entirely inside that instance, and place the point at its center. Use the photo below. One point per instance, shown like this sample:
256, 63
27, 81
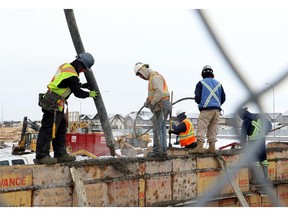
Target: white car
17, 160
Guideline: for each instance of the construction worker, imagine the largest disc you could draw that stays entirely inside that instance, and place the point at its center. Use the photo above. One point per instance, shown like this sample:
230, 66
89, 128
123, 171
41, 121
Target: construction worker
209, 95
185, 130
158, 101
53, 126
253, 130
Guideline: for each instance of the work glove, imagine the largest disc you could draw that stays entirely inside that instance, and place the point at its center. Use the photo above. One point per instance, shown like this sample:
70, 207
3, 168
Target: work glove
93, 94
147, 104
170, 131
85, 86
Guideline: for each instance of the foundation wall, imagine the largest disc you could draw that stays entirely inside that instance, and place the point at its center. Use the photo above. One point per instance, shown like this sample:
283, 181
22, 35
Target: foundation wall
176, 180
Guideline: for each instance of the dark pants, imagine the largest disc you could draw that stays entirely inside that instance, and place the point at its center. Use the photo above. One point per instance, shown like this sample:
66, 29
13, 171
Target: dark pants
193, 145
45, 135
261, 153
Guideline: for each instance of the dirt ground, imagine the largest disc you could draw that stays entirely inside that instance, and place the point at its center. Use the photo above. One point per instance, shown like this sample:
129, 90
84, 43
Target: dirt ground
11, 134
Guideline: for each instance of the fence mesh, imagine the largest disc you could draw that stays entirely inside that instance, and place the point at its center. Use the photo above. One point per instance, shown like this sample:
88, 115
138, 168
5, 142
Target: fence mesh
253, 97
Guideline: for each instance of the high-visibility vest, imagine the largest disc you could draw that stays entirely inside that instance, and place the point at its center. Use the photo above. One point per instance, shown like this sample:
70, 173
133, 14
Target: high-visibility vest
257, 131
187, 137
65, 71
210, 93
151, 90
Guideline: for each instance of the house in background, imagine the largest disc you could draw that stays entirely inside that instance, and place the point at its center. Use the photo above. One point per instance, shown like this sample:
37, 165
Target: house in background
117, 122
143, 120
285, 117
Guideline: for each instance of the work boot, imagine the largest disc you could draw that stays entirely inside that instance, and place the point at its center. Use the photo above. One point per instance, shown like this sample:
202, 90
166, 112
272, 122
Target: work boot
264, 165
211, 148
199, 148
48, 160
256, 172
65, 158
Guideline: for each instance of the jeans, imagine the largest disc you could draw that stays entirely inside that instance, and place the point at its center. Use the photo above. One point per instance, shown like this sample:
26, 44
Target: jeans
160, 130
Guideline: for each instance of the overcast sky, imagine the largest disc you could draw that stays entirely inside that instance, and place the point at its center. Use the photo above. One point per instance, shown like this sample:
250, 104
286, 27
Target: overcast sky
173, 42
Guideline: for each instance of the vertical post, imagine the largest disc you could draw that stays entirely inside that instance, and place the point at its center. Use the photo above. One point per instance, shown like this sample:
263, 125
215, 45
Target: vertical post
75, 35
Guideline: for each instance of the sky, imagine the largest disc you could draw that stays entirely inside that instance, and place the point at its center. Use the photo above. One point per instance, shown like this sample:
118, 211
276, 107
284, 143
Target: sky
173, 41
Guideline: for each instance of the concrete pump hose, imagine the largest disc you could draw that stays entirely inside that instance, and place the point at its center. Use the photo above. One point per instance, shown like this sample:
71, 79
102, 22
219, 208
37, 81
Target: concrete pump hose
182, 99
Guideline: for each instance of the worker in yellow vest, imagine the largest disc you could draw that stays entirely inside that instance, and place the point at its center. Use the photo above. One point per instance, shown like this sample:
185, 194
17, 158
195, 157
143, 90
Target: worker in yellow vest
53, 125
158, 101
254, 128
185, 130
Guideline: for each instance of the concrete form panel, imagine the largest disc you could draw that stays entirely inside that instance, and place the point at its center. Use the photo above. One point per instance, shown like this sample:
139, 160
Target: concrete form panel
117, 170
16, 199
285, 153
278, 154
212, 204
184, 164
177, 151
282, 170
227, 188
20, 177
123, 193
243, 179
206, 181
184, 186
61, 197
266, 201
207, 162
96, 195
153, 167
272, 170
255, 200
231, 160
282, 194
158, 190
230, 202
271, 155
51, 175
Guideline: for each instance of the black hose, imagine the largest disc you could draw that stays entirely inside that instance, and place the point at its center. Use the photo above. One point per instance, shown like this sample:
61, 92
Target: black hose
134, 133
186, 98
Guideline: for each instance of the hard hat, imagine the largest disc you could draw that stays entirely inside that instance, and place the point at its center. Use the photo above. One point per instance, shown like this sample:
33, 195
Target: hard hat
178, 112
207, 68
138, 66
87, 59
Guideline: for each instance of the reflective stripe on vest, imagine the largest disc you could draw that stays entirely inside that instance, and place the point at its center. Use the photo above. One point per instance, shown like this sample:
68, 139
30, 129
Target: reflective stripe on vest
257, 131
65, 71
187, 137
151, 90
212, 93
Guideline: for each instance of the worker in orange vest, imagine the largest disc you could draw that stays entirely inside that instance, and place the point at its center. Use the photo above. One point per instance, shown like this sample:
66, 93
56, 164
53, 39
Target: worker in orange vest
158, 101
185, 131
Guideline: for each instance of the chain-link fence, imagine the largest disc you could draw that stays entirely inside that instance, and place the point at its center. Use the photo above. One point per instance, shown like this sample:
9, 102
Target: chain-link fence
253, 98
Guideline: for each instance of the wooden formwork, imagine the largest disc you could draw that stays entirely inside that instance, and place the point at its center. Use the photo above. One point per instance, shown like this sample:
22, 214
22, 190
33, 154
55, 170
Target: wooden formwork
172, 181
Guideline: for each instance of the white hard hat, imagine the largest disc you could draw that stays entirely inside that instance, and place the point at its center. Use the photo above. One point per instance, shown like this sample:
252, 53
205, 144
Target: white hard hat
178, 112
138, 66
207, 68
